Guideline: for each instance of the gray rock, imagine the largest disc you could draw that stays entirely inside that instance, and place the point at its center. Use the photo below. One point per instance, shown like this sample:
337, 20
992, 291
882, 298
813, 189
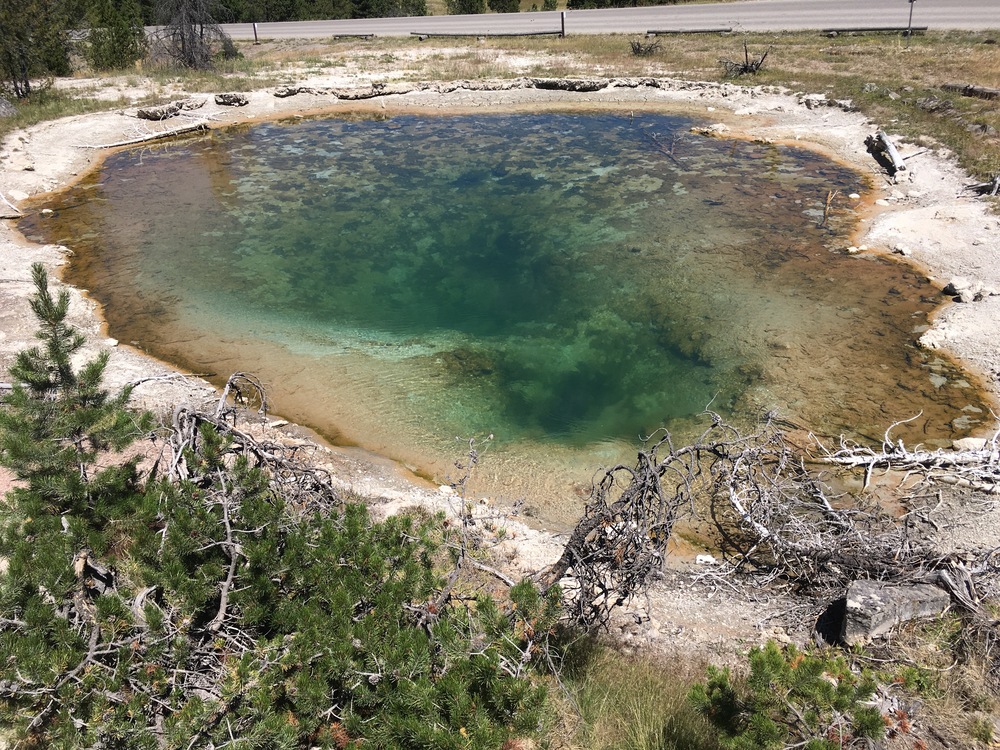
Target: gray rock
873, 608
356, 93
812, 101
964, 290
6, 108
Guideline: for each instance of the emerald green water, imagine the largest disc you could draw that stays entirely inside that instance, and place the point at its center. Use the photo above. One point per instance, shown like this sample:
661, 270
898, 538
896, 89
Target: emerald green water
566, 282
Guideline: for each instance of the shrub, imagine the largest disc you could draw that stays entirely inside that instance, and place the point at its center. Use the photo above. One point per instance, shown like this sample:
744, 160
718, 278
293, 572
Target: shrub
790, 697
117, 39
157, 611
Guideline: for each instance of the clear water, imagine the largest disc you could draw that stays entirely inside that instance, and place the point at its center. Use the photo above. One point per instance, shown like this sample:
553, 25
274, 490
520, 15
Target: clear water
566, 282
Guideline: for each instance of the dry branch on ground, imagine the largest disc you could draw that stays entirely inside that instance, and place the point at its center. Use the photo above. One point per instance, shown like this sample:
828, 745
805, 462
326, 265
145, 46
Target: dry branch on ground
776, 518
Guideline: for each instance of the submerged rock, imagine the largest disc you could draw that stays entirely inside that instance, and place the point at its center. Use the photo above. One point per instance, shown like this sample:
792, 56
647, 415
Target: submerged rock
969, 444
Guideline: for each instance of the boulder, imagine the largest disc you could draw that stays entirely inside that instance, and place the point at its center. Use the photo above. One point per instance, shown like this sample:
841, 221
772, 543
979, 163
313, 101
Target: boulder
6, 108
874, 608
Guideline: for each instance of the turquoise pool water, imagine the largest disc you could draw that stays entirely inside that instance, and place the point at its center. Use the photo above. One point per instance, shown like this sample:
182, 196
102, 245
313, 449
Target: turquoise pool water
564, 282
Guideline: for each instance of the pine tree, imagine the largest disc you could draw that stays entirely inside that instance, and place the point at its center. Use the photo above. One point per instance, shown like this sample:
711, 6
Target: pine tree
465, 7
181, 612
33, 42
504, 6
58, 523
57, 421
812, 700
117, 39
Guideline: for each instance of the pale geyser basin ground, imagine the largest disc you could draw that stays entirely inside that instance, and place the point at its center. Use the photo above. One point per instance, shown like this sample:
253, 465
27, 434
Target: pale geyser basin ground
580, 284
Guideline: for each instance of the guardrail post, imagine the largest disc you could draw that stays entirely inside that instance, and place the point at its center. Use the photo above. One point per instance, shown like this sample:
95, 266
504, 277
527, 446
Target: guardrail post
255, 39
562, 19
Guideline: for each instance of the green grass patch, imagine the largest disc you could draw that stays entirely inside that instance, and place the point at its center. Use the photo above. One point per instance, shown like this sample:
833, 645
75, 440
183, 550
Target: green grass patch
616, 702
52, 104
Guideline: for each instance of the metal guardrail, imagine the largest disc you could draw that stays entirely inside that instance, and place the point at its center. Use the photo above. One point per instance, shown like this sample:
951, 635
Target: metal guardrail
663, 32
421, 35
427, 34
876, 30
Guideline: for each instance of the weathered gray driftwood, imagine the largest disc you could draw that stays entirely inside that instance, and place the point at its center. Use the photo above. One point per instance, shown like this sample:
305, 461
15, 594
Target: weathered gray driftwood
15, 208
873, 608
232, 100
196, 127
968, 89
880, 144
989, 188
166, 111
161, 112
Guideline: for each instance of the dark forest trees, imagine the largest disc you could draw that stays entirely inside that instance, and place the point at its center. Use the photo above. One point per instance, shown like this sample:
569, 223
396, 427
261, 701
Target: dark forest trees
504, 6
465, 7
34, 43
116, 38
581, 4
249, 11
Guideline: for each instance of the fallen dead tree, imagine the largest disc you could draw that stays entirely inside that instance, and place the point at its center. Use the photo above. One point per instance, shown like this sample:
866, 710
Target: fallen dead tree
197, 127
305, 487
978, 468
991, 187
777, 521
171, 109
968, 89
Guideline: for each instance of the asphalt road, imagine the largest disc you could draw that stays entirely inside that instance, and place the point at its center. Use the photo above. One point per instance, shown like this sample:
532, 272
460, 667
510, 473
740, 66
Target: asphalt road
752, 15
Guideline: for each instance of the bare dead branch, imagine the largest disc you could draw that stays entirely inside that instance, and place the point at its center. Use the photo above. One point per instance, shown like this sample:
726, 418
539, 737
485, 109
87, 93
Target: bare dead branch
749, 65
977, 468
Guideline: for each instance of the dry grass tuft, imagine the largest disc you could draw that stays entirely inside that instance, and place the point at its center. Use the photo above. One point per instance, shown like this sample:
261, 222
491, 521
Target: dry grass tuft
618, 702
